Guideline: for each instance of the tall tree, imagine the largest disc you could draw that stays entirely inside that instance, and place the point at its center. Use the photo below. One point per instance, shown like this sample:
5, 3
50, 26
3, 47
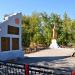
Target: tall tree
46, 28
25, 31
34, 28
66, 29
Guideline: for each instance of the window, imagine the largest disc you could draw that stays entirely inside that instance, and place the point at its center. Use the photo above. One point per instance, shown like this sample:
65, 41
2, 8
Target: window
13, 30
17, 21
5, 43
15, 43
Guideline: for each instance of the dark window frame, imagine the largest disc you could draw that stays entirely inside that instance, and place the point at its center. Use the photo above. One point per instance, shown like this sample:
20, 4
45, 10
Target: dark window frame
15, 43
5, 43
13, 30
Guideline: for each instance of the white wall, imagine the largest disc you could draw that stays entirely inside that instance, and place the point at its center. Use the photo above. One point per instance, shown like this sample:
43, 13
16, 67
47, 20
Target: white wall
6, 55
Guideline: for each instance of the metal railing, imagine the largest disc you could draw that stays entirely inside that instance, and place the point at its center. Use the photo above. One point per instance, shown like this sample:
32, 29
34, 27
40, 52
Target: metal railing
7, 68
11, 68
43, 70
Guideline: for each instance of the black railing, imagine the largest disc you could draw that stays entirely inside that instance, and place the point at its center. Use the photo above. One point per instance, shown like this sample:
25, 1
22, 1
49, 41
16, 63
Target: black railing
7, 68
43, 70
11, 68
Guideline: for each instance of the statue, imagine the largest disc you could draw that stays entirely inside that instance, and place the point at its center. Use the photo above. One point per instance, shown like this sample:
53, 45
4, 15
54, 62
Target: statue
54, 36
54, 42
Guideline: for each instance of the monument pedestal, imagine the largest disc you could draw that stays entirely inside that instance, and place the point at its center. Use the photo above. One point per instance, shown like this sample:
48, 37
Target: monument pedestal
54, 44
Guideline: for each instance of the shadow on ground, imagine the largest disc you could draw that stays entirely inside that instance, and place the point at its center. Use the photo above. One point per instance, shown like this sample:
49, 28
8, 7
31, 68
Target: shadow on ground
36, 60
30, 60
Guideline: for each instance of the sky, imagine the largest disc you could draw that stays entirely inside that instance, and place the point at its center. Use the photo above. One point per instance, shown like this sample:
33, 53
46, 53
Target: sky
29, 6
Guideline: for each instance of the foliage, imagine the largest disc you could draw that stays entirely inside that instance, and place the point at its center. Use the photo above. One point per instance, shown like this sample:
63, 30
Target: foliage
37, 28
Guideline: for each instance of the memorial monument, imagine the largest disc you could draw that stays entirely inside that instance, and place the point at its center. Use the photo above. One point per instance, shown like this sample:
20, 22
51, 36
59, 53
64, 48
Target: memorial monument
54, 41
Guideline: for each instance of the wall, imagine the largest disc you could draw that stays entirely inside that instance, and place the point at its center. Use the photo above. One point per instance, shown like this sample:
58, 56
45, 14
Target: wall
6, 55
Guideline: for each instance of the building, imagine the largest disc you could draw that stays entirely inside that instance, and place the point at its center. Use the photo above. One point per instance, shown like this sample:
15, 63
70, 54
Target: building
10, 37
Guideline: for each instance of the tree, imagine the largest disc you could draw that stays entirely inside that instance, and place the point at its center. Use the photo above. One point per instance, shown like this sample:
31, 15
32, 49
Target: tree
25, 31
66, 29
46, 28
34, 28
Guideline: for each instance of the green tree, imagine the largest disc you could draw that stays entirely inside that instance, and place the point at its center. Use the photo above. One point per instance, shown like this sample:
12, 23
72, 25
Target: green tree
25, 31
46, 28
34, 28
66, 29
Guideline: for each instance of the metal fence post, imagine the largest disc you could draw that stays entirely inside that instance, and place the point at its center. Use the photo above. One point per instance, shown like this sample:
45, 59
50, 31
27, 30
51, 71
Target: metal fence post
26, 69
73, 73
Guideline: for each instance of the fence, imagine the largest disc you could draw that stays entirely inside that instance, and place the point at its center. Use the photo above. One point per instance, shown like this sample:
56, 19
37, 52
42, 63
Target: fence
11, 68
43, 70
25, 69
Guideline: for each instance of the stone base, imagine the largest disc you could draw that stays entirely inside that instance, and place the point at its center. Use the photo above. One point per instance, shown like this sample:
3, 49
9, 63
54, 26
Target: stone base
54, 44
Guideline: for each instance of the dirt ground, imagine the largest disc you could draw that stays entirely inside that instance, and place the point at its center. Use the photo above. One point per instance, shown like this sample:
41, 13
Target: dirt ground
57, 58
